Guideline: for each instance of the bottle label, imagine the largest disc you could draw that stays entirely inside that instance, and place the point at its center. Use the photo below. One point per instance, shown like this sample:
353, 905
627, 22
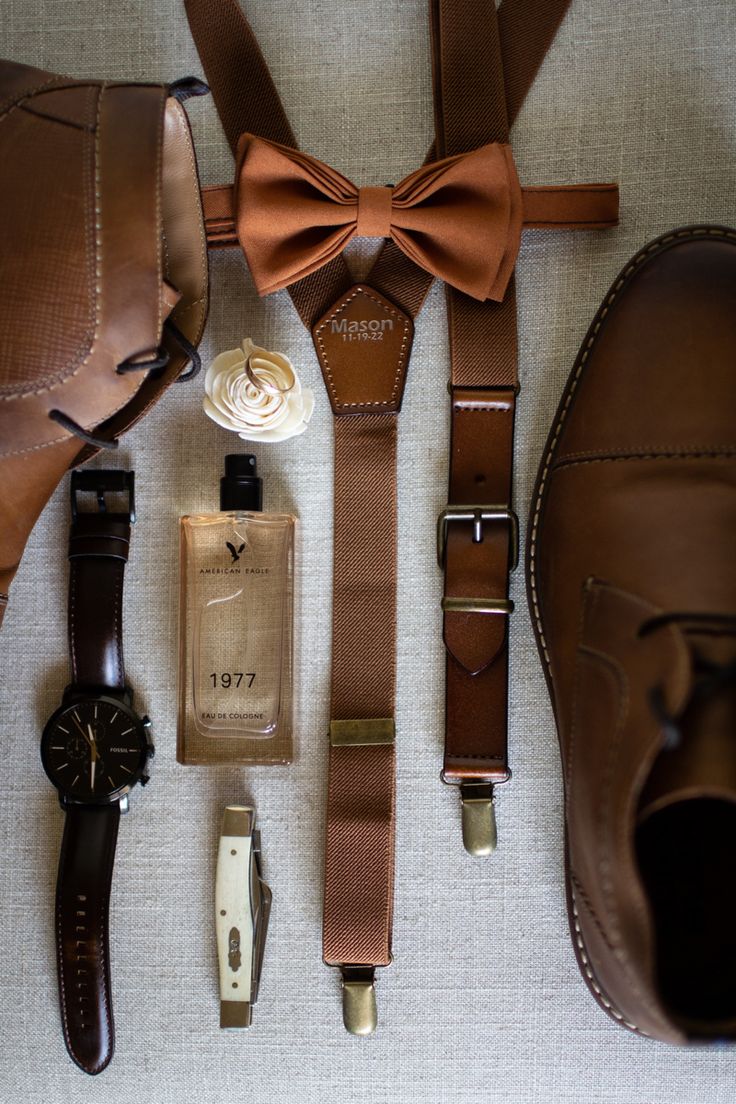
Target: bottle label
240, 634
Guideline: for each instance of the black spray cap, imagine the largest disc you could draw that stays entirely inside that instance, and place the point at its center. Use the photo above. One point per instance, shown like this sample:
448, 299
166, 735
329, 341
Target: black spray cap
240, 486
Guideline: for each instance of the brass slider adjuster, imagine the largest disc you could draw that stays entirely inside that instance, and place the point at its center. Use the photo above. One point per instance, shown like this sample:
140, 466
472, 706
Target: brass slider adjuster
363, 732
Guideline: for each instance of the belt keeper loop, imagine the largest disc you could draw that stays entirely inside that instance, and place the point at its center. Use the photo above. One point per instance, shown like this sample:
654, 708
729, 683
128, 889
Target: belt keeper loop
483, 398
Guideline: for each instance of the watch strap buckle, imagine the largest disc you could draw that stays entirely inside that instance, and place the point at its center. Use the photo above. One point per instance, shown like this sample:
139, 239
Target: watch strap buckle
102, 481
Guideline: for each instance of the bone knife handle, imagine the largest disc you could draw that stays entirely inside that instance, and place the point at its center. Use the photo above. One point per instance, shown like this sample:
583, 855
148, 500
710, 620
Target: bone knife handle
234, 916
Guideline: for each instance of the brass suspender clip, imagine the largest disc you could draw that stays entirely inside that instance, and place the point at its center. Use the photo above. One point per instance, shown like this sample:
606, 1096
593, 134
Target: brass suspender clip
242, 909
359, 1012
478, 818
478, 812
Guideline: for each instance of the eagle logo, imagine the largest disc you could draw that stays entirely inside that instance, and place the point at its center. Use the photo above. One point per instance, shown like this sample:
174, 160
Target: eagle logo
235, 553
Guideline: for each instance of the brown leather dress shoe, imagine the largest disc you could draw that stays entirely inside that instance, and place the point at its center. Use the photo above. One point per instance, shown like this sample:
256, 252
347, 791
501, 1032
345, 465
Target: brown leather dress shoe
633, 596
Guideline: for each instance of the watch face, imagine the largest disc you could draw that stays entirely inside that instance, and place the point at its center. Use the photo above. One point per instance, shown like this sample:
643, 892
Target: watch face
94, 750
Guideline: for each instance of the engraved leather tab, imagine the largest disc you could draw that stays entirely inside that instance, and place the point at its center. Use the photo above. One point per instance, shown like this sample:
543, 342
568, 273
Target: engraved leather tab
363, 344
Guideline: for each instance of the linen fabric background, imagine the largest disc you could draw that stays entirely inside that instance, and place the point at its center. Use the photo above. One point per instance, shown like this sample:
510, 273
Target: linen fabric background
484, 1001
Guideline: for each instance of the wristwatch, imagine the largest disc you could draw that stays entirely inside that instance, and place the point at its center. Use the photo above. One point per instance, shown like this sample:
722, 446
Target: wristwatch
94, 749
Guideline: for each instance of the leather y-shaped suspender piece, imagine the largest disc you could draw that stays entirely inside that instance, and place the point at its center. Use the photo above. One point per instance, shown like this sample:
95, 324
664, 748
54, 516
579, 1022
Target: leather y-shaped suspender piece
484, 63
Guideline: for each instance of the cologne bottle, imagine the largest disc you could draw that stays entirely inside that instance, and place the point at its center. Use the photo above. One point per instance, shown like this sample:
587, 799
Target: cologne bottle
236, 627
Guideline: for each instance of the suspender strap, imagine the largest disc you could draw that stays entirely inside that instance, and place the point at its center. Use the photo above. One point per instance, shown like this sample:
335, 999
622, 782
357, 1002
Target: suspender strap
524, 31
360, 805
478, 532
247, 101
365, 382
239, 79
365, 385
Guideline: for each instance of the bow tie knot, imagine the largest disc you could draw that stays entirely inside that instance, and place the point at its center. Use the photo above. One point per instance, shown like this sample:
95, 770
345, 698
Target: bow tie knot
374, 212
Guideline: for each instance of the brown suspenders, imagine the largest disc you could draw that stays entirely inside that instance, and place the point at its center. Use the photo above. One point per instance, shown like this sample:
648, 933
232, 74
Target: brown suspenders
484, 63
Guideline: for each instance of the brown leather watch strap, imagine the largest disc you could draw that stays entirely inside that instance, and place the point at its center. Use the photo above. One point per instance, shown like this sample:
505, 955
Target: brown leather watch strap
98, 553
82, 901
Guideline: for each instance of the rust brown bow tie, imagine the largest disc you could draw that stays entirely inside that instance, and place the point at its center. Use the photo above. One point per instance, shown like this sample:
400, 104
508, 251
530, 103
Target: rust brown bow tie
459, 218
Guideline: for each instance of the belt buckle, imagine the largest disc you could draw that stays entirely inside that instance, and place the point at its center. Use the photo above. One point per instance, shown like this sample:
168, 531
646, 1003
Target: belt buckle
477, 514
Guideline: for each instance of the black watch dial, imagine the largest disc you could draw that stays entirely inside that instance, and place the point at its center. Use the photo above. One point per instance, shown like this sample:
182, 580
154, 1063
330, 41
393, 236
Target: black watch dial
95, 749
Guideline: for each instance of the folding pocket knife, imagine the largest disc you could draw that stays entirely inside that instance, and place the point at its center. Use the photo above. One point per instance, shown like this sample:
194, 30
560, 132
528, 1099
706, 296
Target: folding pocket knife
242, 909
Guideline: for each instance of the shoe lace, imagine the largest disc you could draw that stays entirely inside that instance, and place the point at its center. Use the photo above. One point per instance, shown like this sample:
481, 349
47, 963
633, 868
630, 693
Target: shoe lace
154, 364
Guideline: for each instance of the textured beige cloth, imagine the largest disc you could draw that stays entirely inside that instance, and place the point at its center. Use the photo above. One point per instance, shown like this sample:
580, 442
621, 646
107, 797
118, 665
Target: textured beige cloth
484, 1001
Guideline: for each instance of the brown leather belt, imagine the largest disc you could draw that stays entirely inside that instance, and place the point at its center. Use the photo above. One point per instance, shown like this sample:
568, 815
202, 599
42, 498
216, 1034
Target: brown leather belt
484, 63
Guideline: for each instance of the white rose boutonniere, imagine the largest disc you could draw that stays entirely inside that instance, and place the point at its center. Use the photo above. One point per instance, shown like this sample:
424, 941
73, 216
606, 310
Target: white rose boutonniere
257, 394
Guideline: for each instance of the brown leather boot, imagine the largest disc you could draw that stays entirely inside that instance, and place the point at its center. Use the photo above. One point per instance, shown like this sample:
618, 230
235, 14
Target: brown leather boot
633, 596
103, 274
